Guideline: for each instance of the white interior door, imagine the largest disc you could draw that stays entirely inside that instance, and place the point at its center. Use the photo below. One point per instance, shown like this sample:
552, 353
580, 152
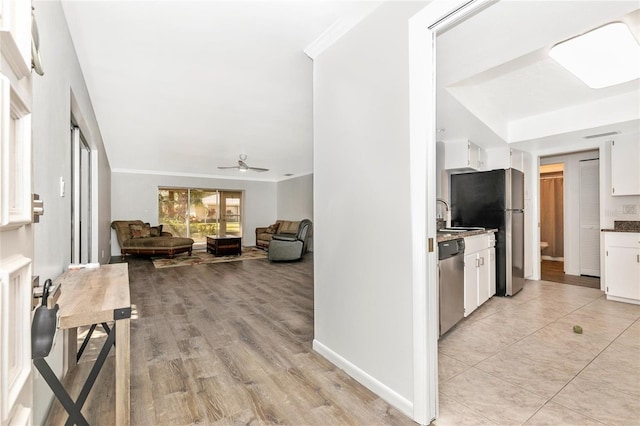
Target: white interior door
16, 230
590, 217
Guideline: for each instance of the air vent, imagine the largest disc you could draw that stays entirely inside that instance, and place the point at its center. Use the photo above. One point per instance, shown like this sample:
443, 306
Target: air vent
601, 135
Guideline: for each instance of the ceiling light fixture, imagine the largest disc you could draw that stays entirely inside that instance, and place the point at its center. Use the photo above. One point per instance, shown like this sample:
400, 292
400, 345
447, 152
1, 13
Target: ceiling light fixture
603, 57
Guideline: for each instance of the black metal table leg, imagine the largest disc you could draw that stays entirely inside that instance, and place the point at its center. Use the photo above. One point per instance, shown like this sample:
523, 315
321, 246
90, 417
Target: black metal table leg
93, 374
71, 407
85, 342
75, 416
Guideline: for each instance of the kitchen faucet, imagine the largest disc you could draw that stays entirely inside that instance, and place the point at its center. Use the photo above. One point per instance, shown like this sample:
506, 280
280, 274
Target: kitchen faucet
447, 219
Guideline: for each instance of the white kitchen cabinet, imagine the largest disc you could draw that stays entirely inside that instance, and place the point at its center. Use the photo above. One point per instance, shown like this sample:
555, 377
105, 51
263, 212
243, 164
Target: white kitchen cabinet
479, 271
625, 174
505, 158
462, 154
470, 283
622, 266
486, 275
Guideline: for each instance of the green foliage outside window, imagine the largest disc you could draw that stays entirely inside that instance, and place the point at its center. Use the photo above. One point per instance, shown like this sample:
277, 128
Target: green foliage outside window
198, 208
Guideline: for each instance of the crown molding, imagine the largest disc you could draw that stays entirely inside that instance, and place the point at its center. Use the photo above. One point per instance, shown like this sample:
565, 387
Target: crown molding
189, 175
204, 175
338, 29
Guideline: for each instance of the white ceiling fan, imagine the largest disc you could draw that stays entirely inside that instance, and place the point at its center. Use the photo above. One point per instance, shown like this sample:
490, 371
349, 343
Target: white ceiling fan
243, 167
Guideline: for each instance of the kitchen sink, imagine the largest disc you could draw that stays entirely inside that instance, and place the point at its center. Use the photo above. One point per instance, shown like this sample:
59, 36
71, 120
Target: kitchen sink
455, 229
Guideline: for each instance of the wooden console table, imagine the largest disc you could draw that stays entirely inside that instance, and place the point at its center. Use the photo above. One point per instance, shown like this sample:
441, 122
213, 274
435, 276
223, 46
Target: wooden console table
224, 245
96, 296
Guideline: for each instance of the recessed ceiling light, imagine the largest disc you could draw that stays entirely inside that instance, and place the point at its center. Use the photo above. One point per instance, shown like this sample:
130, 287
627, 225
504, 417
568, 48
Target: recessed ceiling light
288, 174
603, 57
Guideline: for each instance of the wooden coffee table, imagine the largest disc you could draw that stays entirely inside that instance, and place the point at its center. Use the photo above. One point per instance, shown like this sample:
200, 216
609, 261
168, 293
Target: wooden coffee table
224, 245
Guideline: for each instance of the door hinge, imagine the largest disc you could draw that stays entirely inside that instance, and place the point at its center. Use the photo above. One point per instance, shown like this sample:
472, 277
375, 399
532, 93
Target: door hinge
613, 190
607, 253
430, 243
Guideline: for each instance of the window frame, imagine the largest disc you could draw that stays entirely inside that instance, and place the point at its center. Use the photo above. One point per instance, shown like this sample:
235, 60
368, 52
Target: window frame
15, 146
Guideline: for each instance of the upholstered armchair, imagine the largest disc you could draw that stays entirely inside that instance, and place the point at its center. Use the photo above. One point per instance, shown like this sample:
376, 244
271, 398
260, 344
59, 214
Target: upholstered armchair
291, 247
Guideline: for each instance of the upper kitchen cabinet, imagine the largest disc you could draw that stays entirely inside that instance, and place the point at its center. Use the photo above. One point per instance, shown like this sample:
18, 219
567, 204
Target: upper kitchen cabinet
462, 154
625, 174
505, 158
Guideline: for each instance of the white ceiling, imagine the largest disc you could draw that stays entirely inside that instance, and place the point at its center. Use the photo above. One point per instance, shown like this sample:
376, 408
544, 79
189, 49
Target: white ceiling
497, 83
181, 87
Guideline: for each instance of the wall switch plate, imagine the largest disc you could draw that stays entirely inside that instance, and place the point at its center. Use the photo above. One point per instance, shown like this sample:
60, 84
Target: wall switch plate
629, 209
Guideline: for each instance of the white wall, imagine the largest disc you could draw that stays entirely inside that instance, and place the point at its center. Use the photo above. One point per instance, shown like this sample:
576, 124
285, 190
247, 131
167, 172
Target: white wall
52, 94
135, 196
442, 176
362, 257
295, 198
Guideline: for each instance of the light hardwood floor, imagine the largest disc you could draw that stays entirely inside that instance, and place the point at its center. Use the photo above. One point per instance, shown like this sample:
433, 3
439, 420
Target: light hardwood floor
228, 343
231, 344
554, 271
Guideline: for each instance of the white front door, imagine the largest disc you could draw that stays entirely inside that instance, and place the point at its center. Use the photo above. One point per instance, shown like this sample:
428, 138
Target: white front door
16, 234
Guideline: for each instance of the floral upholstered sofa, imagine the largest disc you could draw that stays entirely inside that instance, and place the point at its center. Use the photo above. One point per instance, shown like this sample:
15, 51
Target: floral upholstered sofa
281, 227
137, 237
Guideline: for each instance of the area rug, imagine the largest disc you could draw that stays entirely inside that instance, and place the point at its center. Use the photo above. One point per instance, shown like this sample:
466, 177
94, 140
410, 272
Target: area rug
201, 257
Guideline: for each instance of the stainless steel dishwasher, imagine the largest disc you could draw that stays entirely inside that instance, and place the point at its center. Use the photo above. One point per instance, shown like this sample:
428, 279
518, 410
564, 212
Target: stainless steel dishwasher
451, 283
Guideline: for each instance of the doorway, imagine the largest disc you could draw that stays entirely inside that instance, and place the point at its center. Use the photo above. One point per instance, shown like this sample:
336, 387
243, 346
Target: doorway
570, 218
81, 197
552, 217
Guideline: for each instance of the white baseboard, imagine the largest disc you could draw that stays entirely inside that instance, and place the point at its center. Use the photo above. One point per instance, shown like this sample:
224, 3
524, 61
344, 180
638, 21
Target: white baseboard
383, 391
623, 299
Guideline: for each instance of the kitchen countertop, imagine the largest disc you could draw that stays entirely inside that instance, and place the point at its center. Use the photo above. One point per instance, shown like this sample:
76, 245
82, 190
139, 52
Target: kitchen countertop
441, 237
624, 226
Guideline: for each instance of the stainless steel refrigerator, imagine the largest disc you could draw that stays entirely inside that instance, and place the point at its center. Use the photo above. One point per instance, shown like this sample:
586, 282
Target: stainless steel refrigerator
495, 199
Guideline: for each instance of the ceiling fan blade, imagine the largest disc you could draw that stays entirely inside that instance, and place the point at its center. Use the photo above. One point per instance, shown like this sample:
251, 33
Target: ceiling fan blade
243, 167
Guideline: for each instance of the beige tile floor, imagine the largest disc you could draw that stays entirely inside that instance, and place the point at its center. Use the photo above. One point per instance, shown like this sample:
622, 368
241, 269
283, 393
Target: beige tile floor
517, 361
